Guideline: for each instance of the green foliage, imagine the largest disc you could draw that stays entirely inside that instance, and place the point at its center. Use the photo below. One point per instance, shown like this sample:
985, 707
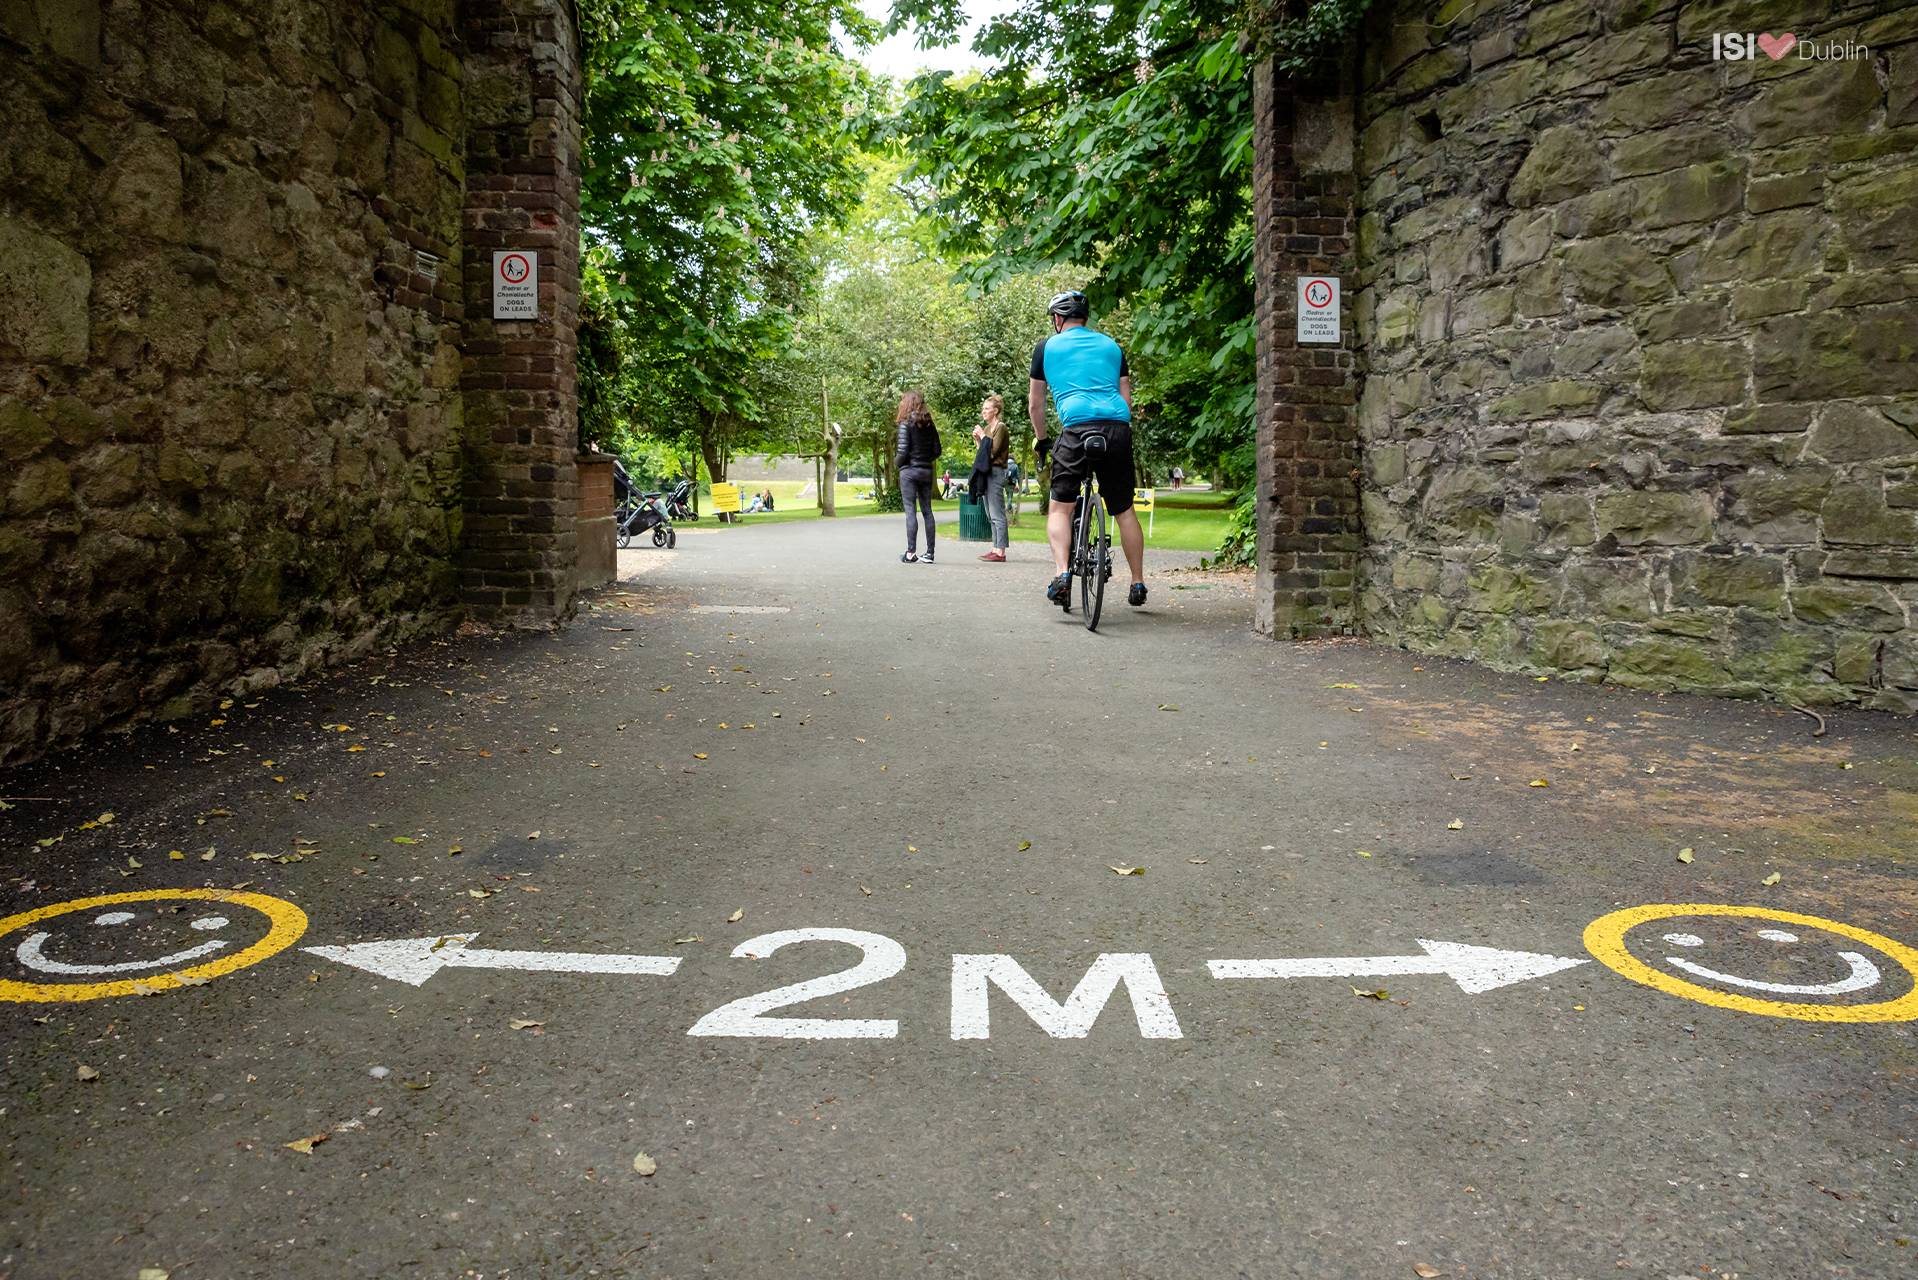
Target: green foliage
720, 136
1117, 138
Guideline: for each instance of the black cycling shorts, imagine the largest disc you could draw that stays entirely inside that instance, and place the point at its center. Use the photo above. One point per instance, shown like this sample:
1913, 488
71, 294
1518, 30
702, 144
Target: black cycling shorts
1071, 461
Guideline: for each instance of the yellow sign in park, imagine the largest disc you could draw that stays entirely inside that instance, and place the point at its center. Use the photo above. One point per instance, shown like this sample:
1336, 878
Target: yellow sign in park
725, 497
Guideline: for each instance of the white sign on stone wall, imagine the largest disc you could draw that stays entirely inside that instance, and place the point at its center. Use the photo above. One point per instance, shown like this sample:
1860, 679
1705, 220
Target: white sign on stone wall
515, 284
1318, 309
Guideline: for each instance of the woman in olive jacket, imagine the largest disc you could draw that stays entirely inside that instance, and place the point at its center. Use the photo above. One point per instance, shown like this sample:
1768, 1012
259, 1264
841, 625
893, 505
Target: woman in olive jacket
914, 453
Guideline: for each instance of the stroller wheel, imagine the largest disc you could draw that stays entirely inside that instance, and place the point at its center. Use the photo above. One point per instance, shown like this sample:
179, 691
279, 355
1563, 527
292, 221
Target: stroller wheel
622, 538
660, 534
672, 539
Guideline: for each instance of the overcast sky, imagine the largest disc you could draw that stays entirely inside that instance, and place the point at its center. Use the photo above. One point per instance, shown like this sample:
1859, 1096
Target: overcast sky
899, 58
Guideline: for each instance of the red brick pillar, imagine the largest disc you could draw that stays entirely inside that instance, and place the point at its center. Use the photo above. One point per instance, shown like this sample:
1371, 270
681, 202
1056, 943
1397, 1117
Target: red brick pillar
1303, 192
518, 378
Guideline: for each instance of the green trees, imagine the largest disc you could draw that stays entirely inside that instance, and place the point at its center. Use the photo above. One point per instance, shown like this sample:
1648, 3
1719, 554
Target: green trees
720, 136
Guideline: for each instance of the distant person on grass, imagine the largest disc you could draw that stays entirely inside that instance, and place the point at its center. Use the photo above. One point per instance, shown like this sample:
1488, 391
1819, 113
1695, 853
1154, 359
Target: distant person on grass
1092, 393
915, 451
993, 428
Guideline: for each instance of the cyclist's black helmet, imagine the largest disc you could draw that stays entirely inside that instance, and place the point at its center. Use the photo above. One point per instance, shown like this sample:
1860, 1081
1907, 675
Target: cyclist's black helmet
1070, 305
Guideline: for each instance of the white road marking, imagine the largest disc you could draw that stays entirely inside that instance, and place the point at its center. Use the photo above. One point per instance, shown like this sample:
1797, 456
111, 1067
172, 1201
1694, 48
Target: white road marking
972, 1012
414, 960
746, 1016
1863, 974
741, 608
30, 955
1475, 969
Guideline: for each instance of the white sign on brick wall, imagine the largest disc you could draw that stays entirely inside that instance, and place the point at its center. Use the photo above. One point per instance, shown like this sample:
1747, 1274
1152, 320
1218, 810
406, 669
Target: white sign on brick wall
1318, 309
515, 284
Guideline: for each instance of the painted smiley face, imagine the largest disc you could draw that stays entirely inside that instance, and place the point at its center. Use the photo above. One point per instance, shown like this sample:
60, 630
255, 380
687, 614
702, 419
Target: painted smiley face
1863, 975
140, 943
1763, 960
122, 931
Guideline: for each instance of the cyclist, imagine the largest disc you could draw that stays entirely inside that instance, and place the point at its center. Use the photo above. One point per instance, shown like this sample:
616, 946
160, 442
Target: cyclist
1092, 392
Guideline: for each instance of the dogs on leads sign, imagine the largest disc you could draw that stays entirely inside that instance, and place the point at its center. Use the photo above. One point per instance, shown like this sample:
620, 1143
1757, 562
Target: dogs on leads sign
515, 284
1318, 309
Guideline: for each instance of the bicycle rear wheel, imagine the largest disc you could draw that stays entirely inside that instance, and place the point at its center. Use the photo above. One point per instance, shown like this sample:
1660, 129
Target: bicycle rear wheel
1096, 548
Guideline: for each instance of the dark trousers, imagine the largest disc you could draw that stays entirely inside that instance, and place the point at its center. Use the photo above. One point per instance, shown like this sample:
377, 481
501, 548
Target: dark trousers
915, 486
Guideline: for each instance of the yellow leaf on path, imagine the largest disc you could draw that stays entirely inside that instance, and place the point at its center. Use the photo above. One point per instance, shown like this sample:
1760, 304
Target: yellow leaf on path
1129, 871
454, 850
1380, 994
154, 1273
912, 848
692, 937
1845, 765
524, 1024
1424, 1271
736, 916
208, 855
1167, 706
357, 747
1538, 782
1341, 686
699, 755
1771, 879
106, 819
863, 889
174, 855
1197, 862
135, 863
1456, 824
86, 1073
305, 1145
644, 1165
479, 893
1685, 854
404, 840
1024, 845
1365, 853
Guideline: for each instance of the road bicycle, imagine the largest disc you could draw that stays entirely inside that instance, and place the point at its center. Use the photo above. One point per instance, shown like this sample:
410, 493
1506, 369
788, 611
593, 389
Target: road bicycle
1091, 543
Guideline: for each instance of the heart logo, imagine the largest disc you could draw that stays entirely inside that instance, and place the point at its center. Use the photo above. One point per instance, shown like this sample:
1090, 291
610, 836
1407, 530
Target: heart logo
1777, 46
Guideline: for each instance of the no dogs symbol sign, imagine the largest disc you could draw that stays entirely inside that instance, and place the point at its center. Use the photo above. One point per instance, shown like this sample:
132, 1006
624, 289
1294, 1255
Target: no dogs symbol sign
1318, 309
515, 285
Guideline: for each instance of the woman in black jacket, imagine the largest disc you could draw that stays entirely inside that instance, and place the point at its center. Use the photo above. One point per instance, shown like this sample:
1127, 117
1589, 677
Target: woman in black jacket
916, 450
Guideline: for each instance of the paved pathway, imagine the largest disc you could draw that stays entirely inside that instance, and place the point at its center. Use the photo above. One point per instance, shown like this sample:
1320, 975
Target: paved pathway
775, 753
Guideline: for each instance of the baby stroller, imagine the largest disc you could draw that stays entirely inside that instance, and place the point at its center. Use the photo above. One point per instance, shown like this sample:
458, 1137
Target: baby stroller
636, 513
679, 503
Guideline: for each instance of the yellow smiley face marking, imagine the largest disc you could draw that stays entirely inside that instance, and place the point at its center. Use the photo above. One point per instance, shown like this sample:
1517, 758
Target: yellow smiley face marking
1605, 939
285, 922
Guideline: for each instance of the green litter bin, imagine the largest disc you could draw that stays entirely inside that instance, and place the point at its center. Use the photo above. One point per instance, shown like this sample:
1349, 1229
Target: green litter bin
974, 524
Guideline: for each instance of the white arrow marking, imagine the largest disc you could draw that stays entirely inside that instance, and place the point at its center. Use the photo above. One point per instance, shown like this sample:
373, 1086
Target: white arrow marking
414, 960
1475, 969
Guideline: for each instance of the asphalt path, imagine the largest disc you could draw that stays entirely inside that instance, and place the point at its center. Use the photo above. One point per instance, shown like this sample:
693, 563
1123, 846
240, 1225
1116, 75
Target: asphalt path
585, 850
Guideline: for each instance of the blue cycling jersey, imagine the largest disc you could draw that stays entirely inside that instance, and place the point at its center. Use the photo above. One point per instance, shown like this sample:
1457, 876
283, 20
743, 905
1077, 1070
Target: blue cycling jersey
1082, 367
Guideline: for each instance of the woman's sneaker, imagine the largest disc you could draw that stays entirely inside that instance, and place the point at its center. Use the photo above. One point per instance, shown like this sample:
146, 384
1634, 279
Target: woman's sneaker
911, 557
994, 557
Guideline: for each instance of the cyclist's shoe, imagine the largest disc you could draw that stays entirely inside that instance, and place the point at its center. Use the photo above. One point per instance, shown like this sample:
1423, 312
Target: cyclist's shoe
1059, 591
927, 558
1137, 595
911, 557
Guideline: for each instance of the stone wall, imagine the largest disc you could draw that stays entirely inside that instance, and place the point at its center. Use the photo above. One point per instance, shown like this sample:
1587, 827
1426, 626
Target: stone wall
1640, 331
231, 326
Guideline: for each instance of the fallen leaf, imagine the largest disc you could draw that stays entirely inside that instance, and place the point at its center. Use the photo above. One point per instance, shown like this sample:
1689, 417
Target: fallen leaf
1685, 854
1538, 782
1843, 765
1365, 853
1771, 879
305, 1145
135, 863
174, 855
258, 857
1424, 1271
1129, 871
699, 755
1167, 706
863, 889
154, 1273
1024, 845
691, 937
454, 851
1341, 685
1197, 862
377, 773
417, 1085
86, 1074
1380, 994
1456, 824
479, 893
524, 1024
357, 747
736, 916
404, 840
532, 835
912, 848
644, 1165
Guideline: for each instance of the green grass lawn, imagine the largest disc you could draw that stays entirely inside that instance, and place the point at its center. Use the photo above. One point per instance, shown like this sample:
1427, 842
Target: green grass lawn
1186, 521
